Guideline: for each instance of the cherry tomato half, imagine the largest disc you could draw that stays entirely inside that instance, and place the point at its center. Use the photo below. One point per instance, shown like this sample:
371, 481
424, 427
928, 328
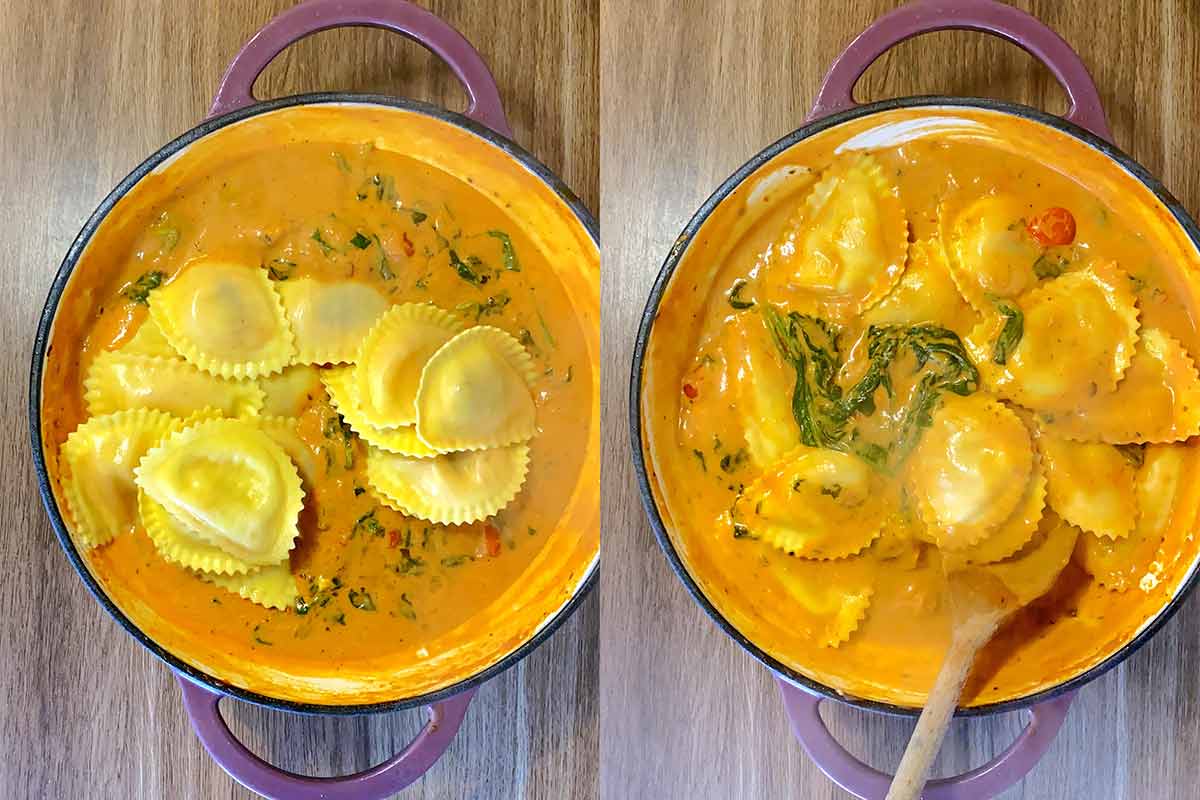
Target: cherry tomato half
1054, 226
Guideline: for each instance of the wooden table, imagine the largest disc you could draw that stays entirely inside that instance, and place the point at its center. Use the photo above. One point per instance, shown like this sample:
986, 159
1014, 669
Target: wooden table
690, 91
84, 96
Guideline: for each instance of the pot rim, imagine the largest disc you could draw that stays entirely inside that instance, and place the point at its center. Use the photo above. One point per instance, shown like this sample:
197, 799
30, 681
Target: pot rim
667, 271
46, 320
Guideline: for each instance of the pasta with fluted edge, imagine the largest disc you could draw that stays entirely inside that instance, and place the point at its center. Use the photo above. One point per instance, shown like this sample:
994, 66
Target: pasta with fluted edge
953, 357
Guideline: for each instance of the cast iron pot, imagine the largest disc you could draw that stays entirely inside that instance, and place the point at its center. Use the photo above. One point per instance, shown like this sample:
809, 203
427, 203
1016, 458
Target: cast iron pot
834, 105
233, 103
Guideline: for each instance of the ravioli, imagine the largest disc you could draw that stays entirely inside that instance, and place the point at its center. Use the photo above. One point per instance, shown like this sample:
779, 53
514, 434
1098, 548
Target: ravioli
272, 586
343, 392
1033, 570
846, 246
117, 381
450, 489
286, 393
101, 455
330, 320
991, 254
1015, 532
926, 293
1158, 400
148, 340
839, 609
393, 355
813, 503
474, 393
762, 385
1079, 335
1091, 484
181, 544
1128, 562
225, 318
230, 483
285, 432
970, 470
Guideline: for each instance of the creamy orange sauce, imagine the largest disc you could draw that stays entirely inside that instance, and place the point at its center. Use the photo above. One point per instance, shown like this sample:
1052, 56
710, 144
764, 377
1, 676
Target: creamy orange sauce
294, 204
694, 437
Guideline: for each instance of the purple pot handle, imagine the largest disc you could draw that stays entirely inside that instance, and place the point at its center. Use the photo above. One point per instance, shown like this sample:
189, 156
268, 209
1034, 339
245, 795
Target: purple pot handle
423, 27
989, 780
378, 782
985, 16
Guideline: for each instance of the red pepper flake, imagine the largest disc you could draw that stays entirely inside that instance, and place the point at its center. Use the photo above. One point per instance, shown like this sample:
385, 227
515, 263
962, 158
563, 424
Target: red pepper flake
691, 391
491, 537
409, 247
393, 538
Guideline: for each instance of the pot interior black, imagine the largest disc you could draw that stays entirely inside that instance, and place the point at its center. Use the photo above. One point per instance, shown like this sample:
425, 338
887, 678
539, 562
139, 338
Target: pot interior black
513, 150
650, 313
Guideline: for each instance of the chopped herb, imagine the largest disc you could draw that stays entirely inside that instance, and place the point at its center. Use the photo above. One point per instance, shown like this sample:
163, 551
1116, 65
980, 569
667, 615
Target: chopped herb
139, 291
261, 640
384, 266
466, 269
360, 241
358, 491
570, 376
1048, 266
510, 255
492, 306
342, 163
418, 216
532, 531
700, 457
302, 606
455, 561
326, 247
368, 524
336, 427
870, 452
730, 462
409, 564
1010, 334
361, 599
833, 490
740, 531
167, 233
406, 608
546, 330
280, 269
735, 295
339, 618
421, 282
385, 187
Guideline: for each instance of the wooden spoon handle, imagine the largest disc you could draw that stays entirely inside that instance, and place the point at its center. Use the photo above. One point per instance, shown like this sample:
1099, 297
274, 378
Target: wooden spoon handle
931, 728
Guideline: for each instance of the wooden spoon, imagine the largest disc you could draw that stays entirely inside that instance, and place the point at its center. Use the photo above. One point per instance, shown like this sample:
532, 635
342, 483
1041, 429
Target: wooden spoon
981, 598
979, 602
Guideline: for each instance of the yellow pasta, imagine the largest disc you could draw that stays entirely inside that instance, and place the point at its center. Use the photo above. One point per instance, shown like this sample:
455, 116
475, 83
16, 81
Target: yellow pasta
180, 544
396, 350
813, 503
474, 393
1015, 532
451, 489
1158, 400
971, 469
991, 255
1030, 572
230, 483
225, 318
117, 381
286, 393
1091, 484
101, 455
149, 341
330, 320
763, 384
926, 293
271, 586
343, 392
846, 246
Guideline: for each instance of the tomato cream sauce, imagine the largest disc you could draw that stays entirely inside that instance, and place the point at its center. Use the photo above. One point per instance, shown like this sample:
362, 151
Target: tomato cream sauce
294, 205
700, 433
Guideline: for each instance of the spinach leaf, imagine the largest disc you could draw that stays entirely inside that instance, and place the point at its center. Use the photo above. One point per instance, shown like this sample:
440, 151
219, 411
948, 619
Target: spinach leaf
139, 291
735, 295
360, 241
468, 270
1010, 334
509, 254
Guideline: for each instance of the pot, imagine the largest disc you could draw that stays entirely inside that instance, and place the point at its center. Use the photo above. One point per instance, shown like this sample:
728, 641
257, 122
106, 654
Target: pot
567, 566
1084, 123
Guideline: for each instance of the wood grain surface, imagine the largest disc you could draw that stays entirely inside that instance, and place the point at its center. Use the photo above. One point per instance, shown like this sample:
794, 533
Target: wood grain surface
87, 90
691, 90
